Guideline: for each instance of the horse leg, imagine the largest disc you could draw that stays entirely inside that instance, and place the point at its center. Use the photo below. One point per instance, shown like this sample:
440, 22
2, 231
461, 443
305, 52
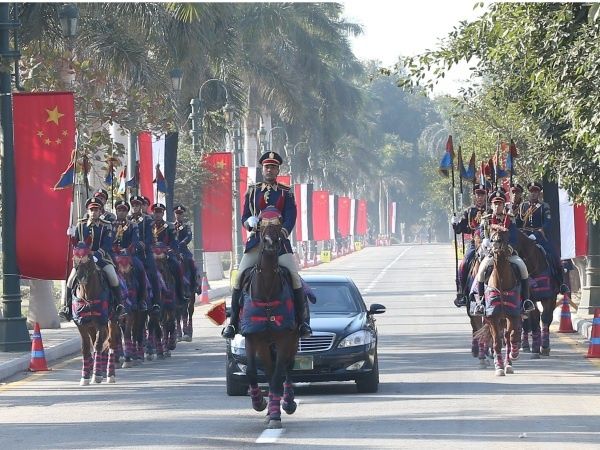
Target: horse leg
137, 328
86, 355
497, 345
526, 329
172, 333
475, 326
114, 337
259, 403
547, 316
127, 337
289, 405
99, 344
536, 335
178, 320
190, 310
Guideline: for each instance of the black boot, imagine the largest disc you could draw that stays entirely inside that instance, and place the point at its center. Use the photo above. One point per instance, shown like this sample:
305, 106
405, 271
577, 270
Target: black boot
66, 311
117, 301
480, 306
302, 313
460, 300
230, 330
527, 305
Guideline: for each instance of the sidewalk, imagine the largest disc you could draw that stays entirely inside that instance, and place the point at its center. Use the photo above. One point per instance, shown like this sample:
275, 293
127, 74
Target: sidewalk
65, 341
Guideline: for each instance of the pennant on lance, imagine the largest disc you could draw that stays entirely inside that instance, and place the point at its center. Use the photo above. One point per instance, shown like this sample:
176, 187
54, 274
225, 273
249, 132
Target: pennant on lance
44, 142
447, 161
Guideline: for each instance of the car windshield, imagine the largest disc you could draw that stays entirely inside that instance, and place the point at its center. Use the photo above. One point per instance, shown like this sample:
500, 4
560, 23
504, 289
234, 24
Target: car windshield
334, 298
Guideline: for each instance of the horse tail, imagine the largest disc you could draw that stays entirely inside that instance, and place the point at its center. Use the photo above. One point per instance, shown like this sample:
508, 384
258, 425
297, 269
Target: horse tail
484, 334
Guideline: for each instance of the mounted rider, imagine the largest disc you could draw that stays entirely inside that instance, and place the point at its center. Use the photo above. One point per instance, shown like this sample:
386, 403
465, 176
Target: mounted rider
535, 220
516, 193
258, 197
499, 217
97, 234
105, 215
468, 223
126, 237
183, 236
144, 247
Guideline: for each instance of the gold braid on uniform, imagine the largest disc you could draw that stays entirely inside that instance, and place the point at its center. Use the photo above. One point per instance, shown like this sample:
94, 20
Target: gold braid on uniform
157, 230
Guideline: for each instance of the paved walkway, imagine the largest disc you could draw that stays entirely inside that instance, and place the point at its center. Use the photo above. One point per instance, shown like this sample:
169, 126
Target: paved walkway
65, 341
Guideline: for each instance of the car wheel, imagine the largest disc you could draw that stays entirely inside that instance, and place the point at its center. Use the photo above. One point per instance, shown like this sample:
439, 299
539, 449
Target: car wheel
234, 388
370, 382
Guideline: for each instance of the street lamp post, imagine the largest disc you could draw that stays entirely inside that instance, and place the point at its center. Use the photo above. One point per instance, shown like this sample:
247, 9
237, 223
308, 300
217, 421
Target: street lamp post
237, 138
270, 137
196, 117
14, 336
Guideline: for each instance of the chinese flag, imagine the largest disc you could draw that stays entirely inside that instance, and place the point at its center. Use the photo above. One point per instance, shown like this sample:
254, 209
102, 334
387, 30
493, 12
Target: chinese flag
243, 189
343, 216
44, 141
146, 165
320, 215
361, 218
217, 203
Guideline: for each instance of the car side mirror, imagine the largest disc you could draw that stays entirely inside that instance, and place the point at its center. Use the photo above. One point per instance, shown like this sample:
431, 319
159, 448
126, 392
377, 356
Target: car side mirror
376, 308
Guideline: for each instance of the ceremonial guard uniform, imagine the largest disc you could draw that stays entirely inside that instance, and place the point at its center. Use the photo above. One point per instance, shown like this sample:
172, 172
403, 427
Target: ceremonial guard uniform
105, 215
97, 234
183, 236
258, 197
126, 237
498, 216
535, 220
514, 206
468, 223
144, 247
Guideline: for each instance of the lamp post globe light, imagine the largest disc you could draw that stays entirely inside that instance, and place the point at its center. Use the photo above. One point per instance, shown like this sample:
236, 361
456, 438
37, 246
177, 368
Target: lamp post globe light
68, 15
270, 137
14, 336
196, 117
176, 76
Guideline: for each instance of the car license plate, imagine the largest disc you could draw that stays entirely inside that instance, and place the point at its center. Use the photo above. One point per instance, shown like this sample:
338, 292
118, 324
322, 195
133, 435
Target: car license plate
303, 363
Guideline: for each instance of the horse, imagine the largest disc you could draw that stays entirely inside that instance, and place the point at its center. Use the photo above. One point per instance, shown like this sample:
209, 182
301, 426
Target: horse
166, 280
135, 308
90, 308
503, 304
544, 288
185, 308
269, 325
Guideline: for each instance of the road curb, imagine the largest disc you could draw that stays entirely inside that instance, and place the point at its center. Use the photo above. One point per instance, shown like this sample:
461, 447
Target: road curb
71, 346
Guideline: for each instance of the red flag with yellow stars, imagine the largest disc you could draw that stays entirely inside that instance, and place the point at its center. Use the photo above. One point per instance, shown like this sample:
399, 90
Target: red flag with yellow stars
44, 141
320, 215
217, 203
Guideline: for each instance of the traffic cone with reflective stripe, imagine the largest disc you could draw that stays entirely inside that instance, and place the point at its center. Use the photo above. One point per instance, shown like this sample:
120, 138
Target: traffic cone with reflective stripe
204, 293
594, 349
38, 358
566, 325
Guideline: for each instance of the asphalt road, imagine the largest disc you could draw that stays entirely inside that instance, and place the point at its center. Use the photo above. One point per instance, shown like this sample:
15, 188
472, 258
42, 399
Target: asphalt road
432, 392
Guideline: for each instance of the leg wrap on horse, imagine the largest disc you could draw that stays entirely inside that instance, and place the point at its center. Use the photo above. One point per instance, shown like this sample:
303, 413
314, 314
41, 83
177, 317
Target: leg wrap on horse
536, 341
258, 401
545, 336
498, 361
274, 407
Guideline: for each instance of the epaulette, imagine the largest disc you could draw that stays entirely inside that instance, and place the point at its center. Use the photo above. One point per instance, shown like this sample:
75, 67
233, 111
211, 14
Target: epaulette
285, 187
105, 222
82, 220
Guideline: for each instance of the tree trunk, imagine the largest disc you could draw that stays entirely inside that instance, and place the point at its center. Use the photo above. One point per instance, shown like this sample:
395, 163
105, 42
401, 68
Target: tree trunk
42, 306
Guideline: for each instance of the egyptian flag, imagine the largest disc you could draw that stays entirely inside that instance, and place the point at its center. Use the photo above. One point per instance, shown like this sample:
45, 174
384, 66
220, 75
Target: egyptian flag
44, 143
320, 215
343, 216
332, 215
573, 227
304, 226
217, 203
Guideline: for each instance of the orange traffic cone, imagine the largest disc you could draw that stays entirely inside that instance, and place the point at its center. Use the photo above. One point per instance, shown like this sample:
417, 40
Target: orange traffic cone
217, 312
594, 350
566, 325
204, 295
38, 358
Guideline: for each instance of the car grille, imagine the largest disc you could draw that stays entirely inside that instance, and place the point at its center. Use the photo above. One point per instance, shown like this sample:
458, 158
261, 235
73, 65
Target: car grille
318, 342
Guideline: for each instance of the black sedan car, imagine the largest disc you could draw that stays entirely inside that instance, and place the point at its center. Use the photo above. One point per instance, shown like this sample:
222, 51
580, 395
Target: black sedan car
343, 346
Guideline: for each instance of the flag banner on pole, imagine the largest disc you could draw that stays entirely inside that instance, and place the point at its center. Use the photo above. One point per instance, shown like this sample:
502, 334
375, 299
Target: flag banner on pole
216, 208
392, 217
161, 183
448, 158
44, 142
303, 229
573, 227
361, 218
67, 178
332, 215
320, 215
242, 197
122, 181
158, 163
352, 217
285, 179
170, 171
146, 165
343, 216
470, 174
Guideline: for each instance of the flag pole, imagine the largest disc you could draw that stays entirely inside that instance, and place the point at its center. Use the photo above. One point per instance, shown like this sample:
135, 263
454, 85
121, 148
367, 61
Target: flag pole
460, 177
454, 214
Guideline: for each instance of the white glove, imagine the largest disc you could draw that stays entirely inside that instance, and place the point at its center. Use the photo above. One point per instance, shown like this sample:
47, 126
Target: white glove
251, 222
486, 244
455, 220
95, 259
532, 237
71, 230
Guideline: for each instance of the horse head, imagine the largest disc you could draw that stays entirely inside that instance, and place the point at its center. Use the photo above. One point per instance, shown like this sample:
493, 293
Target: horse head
160, 250
124, 262
499, 240
83, 262
270, 230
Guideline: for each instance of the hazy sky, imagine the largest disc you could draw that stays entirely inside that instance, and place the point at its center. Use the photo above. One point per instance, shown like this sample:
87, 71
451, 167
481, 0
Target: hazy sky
393, 28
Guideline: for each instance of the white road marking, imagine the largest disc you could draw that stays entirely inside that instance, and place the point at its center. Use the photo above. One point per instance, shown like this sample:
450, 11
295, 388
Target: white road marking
382, 273
269, 436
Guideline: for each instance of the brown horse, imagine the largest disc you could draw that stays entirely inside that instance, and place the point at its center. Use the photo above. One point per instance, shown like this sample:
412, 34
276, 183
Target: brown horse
502, 301
543, 288
91, 311
275, 340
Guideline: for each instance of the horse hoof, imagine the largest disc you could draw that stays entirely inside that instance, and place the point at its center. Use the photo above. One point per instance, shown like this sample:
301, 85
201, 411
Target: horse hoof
112, 379
149, 356
260, 407
289, 408
535, 356
126, 365
84, 382
187, 338
98, 379
514, 357
274, 424
546, 351
168, 353
500, 372
508, 370
160, 356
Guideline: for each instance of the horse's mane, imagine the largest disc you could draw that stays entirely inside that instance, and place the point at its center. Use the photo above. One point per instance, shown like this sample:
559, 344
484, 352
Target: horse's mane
531, 254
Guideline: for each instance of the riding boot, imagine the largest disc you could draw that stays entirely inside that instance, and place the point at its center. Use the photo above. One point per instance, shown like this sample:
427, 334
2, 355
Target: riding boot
302, 314
527, 305
230, 330
480, 306
65, 311
117, 301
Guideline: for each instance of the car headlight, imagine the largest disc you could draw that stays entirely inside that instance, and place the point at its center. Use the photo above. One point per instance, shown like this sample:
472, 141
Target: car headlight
355, 339
238, 345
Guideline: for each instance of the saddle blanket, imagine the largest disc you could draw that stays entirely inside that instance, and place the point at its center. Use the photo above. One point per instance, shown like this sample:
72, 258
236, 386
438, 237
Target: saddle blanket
276, 314
84, 311
508, 302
